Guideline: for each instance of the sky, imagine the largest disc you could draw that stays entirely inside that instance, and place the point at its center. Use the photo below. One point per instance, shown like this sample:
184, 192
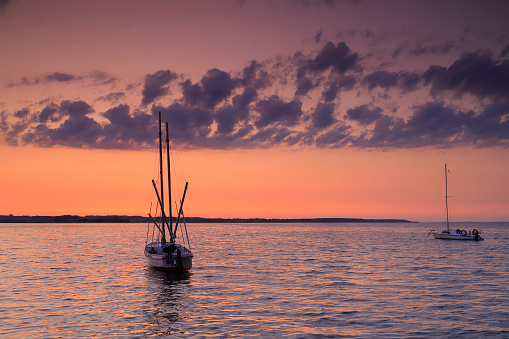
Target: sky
277, 109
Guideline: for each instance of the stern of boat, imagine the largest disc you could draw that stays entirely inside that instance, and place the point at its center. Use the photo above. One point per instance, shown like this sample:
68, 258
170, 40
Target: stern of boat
180, 259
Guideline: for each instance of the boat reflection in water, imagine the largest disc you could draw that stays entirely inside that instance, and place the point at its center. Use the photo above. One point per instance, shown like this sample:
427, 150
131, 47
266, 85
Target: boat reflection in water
169, 290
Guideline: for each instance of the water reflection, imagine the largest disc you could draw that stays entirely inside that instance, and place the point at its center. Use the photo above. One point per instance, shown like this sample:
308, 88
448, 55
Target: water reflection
169, 294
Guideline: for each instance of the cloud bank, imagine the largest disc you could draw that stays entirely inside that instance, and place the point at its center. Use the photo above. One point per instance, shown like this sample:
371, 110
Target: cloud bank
330, 98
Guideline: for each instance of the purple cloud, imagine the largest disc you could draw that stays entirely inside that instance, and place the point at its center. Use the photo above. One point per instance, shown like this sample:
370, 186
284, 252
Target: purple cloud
241, 110
474, 73
339, 57
186, 123
323, 116
364, 115
217, 86
332, 88
4, 4
49, 113
407, 81
275, 111
113, 97
75, 109
127, 130
59, 77
156, 85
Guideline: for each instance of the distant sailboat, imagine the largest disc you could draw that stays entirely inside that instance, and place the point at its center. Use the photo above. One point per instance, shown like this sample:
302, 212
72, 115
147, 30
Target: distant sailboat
457, 234
161, 250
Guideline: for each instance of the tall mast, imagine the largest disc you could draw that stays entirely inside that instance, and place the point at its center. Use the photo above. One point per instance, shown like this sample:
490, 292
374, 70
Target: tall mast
180, 211
163, 239
169, 179
446, 196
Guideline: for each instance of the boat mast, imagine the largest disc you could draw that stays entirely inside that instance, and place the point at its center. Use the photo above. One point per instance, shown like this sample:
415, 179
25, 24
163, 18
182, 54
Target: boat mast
446, 196
163, 237
180, 211
169, 181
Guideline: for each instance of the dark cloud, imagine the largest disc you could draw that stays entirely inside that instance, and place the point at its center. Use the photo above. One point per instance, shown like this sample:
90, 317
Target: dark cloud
381, 79
384, 134
75, 109
444, 47
491, 127
186, 123
331, 92
397, 52
332, 88
474, 73
127, 130
364, 115
504, 52
14, 131
3, 5
404, 80
217, 86
226, 119
270, 137
249, 73
241, 110
323, 116
434, 124
434, 121
304, 84
315, 3
102, 78
4, 125
191, 94
98, 78
119, 116
243, 100
23, 113
409, 81
276, 111
123, 130
79, 131
156, 85
338, 57
112, 97
49, 113
318, 36
255, 76
431, 125
336, 138
59, 77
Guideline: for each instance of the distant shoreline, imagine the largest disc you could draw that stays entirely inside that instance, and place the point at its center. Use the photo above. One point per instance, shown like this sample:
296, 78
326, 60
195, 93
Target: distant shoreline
138, 219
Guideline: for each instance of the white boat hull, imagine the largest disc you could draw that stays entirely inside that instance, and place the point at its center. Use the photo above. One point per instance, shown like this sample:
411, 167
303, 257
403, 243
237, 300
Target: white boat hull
181, 259
453, 235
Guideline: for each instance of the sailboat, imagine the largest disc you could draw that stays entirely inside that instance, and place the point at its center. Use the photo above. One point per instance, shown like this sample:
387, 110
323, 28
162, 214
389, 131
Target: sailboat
162, 250
457, 234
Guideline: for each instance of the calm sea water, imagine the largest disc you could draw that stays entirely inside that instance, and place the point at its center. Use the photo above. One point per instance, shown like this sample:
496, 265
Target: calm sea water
258, 280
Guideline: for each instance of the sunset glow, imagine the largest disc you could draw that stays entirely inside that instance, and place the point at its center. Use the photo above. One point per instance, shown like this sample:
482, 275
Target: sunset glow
281, 109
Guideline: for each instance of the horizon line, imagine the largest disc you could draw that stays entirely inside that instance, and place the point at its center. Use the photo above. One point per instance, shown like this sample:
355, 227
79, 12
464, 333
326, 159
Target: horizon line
5, 218
134, 218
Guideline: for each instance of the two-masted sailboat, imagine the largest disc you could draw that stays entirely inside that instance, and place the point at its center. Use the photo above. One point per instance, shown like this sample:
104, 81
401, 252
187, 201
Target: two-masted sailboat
457, 234
161, 248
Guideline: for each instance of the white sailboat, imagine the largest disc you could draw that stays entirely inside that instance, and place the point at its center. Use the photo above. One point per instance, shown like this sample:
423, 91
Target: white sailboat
162, 250
457, 234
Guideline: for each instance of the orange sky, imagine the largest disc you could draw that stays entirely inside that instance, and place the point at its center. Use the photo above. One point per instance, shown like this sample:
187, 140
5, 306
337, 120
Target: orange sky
279, 109
261, 183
